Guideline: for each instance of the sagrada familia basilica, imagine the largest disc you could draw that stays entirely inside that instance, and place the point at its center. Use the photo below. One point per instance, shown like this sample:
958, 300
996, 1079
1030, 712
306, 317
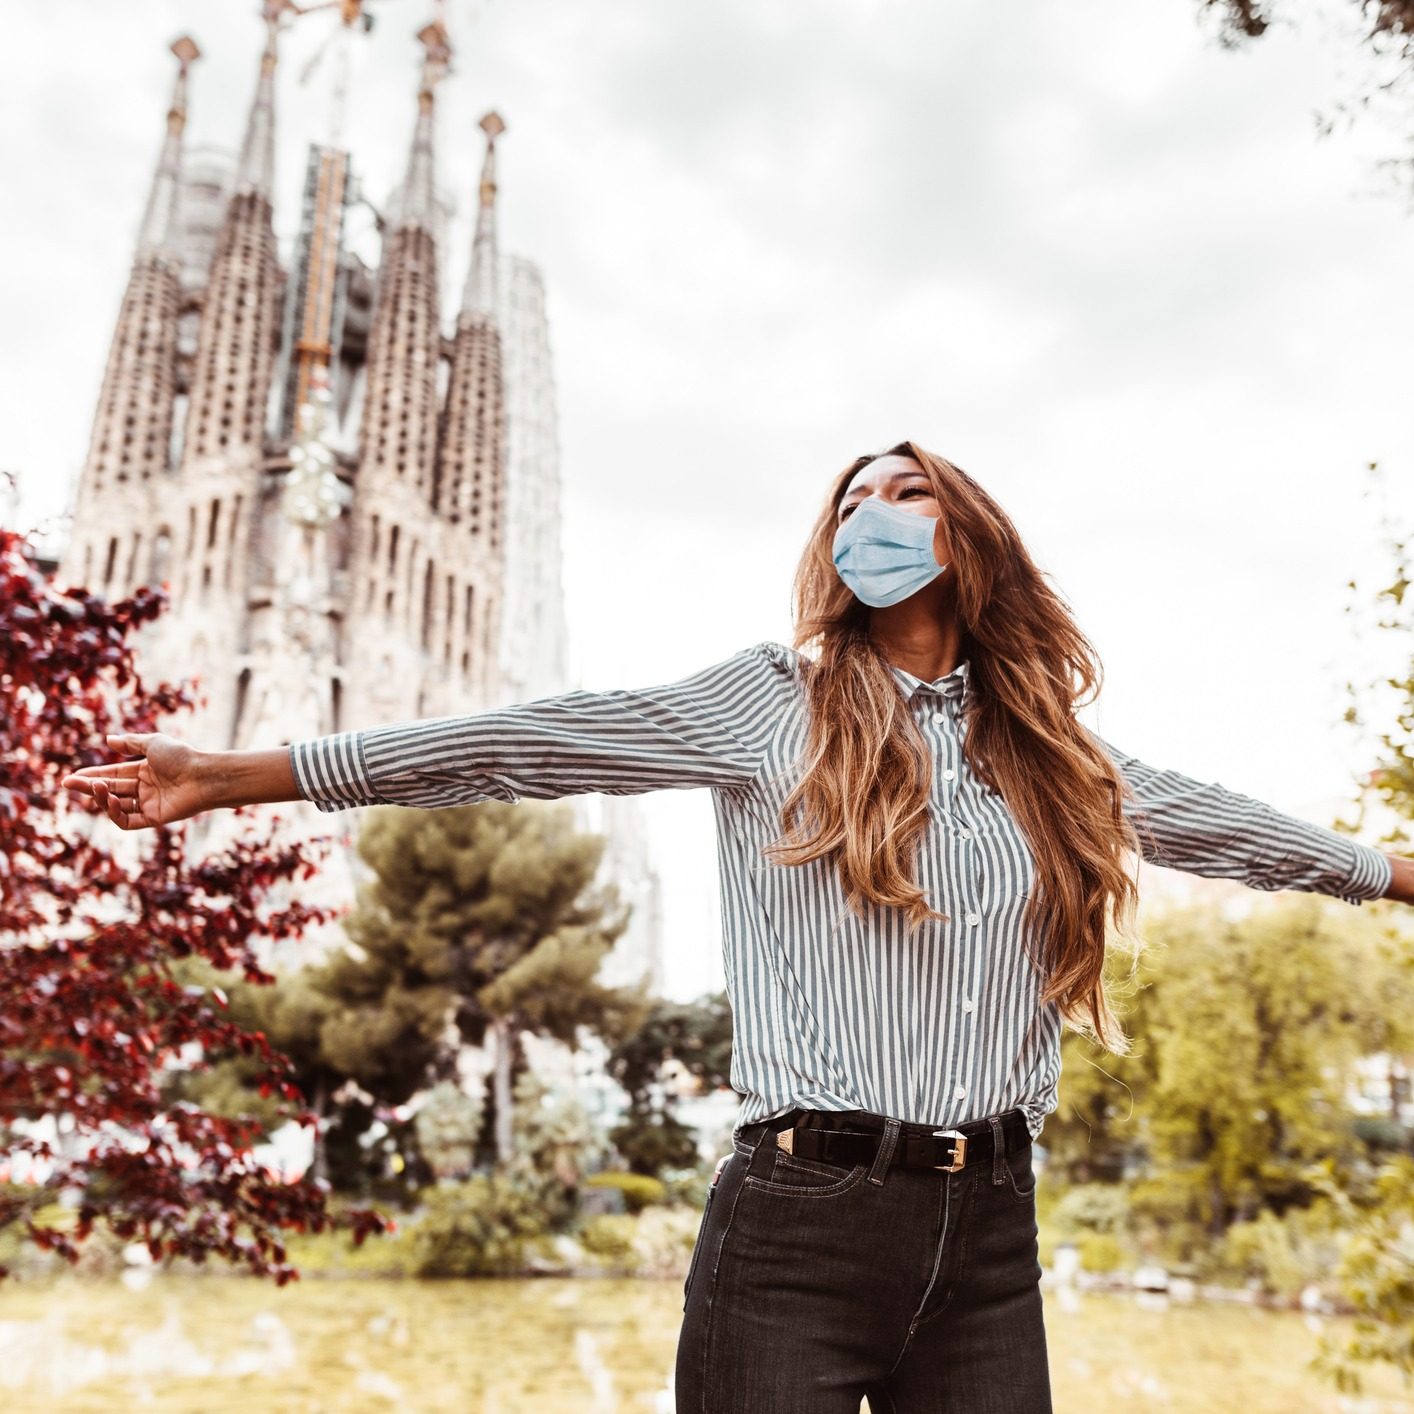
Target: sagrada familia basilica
355, 507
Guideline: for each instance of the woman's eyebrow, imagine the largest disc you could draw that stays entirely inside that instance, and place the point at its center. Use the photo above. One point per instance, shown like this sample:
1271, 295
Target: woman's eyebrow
888, 481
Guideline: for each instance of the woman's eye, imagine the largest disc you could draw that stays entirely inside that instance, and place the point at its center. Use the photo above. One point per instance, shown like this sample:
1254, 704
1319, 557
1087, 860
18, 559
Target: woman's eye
844, 513
909, 490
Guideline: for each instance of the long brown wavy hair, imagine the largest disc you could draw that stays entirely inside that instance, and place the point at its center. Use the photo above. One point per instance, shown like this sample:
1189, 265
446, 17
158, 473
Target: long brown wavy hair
862, 798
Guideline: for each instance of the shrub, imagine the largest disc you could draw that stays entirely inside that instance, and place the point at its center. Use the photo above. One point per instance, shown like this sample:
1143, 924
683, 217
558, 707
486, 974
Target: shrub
1092, 1207
486, 1226
1284, 1254
639, 1191
609, 1236
655, 1243
1101, 1252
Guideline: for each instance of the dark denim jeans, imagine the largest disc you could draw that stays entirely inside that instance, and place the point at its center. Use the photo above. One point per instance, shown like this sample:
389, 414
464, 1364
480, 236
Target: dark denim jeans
814, 1285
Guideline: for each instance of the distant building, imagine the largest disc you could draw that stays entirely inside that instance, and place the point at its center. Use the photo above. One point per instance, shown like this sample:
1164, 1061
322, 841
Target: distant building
358, 514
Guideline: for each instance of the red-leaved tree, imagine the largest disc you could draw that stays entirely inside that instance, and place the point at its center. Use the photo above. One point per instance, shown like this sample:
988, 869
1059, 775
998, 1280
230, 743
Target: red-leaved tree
91, 1015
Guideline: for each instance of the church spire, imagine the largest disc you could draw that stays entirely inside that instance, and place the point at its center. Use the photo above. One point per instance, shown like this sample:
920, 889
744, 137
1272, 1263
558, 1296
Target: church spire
223, 449
482, 283
158, 230
255, 172
129, 450
419, 192
399, 426
471, 450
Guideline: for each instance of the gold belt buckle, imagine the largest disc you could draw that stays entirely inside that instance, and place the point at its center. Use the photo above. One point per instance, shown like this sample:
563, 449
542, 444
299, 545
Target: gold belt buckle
959, 1153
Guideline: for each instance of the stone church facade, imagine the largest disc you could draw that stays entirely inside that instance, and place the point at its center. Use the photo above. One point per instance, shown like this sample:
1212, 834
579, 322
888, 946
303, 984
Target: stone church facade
354, 505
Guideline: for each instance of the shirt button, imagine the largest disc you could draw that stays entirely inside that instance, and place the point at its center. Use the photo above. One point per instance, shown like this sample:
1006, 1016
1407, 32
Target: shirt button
965, 834
968, 1004
949, 774
940, 716
960, 1093
974, 918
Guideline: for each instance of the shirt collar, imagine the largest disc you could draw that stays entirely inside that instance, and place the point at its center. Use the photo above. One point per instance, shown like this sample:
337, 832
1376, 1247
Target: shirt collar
953, 684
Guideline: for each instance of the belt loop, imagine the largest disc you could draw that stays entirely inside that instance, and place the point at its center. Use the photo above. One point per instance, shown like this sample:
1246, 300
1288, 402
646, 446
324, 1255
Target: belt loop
892, 1128
998, 1149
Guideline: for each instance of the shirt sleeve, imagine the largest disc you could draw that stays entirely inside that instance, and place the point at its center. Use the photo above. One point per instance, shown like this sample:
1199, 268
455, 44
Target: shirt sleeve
709, 729
1204, 828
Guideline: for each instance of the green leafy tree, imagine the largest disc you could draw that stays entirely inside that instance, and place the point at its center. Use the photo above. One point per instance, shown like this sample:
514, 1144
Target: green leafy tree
1245, 1033
348, 1055
1096, 1133
1377, 1269
697, 1035
477, 922
481, 921
1255, 1024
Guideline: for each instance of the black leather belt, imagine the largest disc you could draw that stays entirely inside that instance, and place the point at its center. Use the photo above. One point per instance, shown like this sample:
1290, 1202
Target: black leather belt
853, 1137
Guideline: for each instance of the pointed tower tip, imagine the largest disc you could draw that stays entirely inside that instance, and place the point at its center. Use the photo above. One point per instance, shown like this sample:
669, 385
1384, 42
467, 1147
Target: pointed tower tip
416, 205
437, 42
481, 296
256, 166
187, 51
159, 218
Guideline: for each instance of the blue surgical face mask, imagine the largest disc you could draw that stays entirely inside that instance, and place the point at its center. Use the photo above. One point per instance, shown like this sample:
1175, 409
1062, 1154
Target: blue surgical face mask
884, 553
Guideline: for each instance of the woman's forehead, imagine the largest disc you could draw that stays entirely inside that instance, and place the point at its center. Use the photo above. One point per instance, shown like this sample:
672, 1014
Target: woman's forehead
881, 470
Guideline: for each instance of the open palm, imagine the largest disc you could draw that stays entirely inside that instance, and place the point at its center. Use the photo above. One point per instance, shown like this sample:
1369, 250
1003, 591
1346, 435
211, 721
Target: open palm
159, 786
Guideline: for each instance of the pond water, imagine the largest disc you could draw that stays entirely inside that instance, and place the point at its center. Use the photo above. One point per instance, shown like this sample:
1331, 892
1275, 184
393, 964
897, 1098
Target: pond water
552, 1346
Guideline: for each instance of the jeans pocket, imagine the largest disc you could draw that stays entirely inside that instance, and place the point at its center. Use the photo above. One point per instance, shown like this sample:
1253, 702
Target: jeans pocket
807, 1178
1021, 1174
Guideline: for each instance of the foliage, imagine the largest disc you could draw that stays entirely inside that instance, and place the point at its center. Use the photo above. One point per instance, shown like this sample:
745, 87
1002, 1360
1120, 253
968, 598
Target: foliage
1376, 1272
1245, 1033
656, 1243
447, 1120
651, 1142
476, 914
489, 909
483, 1227
91, 1013
1382, 29
698, 1036
554, 1142
473, 915
1390, 783
1091, 1207
609, 1236
1281, 1255
639, 1190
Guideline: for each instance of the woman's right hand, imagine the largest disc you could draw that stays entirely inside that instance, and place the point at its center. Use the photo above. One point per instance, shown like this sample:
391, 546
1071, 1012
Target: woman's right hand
167, 781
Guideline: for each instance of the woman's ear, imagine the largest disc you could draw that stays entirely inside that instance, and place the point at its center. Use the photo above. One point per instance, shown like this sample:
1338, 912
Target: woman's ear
942, 551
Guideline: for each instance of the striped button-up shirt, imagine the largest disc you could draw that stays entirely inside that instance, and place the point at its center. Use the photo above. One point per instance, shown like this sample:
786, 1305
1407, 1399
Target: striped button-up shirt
832, 1010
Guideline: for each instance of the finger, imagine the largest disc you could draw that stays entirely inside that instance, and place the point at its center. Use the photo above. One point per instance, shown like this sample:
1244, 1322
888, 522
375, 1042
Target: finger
127, 787
113, 770
114, 807
134, 743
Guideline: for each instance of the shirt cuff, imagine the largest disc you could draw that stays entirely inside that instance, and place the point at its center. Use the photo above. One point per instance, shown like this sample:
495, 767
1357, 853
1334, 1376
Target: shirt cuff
1370, 876
332, 772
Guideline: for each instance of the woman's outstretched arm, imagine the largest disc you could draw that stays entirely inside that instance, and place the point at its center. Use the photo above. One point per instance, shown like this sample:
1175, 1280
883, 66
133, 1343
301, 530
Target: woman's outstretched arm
709, 729
1202, 827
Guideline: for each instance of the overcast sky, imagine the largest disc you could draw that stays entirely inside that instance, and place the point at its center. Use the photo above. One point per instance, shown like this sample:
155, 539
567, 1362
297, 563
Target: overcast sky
1101, 263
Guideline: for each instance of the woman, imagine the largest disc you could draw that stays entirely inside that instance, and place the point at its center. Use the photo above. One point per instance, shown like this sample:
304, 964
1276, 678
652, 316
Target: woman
920, 851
